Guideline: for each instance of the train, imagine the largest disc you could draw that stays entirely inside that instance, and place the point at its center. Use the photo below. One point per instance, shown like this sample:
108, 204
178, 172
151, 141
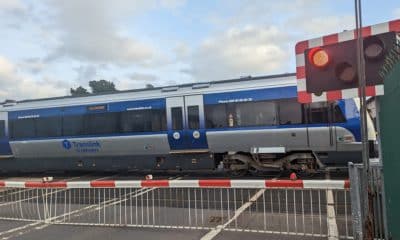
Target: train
248, 125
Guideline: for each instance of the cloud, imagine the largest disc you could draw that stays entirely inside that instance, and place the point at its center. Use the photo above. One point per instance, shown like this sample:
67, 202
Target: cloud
89, 31
172, 4
181, 51
13, 13
145, 77
396, 13
33, 65
16, 85
320, 25
86, 74
251, 50
12, 6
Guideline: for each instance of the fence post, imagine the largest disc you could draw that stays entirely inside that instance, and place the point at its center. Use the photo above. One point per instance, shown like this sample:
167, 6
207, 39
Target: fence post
356, 207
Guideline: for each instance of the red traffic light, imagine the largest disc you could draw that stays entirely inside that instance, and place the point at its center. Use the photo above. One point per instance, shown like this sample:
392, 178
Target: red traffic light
318, 57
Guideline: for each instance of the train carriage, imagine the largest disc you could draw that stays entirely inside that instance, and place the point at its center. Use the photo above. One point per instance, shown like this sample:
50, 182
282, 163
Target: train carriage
239, 125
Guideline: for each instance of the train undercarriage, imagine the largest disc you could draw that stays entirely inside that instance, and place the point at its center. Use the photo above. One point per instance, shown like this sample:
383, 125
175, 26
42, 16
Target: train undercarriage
234, 164
302, 163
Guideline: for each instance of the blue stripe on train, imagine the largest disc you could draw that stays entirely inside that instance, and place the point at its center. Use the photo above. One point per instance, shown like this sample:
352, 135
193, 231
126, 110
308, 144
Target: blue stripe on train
158, 103
251, 95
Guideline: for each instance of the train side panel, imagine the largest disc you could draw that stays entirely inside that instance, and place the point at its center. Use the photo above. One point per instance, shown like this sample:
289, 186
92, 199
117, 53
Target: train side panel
151, 144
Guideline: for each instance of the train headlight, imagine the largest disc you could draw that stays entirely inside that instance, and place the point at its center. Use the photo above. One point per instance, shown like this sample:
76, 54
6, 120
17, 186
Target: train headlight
176, 135
196, 134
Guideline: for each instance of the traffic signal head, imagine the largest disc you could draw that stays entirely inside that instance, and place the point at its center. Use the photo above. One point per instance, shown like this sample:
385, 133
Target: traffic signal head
334, 67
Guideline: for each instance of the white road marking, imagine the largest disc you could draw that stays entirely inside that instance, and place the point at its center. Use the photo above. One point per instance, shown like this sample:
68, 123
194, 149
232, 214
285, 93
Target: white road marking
10, 231
213, 233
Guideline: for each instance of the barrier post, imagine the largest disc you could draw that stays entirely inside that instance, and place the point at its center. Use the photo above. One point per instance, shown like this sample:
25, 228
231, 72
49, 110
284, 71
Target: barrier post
356, 206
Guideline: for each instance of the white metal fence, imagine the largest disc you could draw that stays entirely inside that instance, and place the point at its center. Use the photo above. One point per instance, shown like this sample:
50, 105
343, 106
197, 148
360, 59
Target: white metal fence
306, 208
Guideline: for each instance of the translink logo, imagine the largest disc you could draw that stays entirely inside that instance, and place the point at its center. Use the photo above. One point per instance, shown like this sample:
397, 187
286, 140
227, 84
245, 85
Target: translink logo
82, 146
66, 144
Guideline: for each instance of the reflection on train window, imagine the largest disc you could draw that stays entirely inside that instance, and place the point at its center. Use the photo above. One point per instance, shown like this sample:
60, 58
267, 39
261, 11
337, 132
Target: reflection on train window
318, 112
22, 128
193, 117
244, 114
177, 118
101, 123
143, 121
216, 116
73, 125
255, 114
290, 112
2, 128
135, 121
48, 127
158, 120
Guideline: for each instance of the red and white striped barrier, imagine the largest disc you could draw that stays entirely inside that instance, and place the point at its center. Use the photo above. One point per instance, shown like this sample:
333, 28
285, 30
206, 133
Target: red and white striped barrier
208, 183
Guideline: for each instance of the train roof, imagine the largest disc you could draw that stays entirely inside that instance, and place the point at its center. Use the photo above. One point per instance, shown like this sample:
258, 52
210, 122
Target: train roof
249, 82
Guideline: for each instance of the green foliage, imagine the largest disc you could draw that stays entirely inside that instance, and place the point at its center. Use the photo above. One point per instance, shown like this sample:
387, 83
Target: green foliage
102, 86
79, 91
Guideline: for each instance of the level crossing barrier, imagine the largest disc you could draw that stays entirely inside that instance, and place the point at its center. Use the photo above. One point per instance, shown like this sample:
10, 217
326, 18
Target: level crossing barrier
314, 208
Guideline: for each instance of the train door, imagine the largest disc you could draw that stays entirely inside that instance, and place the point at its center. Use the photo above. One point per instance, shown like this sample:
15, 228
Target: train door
195, 130
185, 117
5, 150
321, 132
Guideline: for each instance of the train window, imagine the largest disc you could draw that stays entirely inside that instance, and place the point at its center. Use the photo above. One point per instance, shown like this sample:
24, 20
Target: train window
290, 112
318, 112
245, 114
338, 114
254, 114
2, 128
48, 127
216, 116
22, 128
73, 125
193, 117
158, 120
177, 118
101, 123
136, 121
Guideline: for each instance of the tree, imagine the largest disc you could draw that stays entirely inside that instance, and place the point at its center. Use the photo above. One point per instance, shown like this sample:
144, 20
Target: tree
149, 85
102, 86
79, 91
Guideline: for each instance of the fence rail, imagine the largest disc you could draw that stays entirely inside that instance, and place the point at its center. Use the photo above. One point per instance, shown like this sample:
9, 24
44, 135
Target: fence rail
319, 208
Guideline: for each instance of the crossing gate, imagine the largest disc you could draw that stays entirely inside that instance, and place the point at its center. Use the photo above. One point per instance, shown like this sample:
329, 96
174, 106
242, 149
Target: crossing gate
315, 208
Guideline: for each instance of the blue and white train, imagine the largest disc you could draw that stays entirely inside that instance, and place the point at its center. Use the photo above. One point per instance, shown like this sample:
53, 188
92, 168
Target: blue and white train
249, 124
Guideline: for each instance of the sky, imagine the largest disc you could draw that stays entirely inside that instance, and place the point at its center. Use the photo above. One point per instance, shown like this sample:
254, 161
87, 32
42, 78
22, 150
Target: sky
49, 46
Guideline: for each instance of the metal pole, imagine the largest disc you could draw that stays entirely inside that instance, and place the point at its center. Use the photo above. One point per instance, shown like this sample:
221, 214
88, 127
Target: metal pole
363, 114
